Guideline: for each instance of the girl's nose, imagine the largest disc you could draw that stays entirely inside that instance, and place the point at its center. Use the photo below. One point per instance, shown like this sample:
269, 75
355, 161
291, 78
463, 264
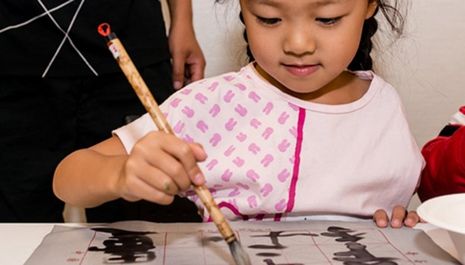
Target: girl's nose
299, 42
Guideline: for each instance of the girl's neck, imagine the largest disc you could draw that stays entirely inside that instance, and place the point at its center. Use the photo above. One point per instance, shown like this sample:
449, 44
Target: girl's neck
346, 88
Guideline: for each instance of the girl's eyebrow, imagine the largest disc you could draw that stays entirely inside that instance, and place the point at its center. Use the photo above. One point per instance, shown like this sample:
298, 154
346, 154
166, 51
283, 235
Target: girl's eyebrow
327, 2
316, 3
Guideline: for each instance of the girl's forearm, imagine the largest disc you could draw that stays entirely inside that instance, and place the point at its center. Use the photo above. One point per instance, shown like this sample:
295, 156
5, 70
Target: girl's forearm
87, 178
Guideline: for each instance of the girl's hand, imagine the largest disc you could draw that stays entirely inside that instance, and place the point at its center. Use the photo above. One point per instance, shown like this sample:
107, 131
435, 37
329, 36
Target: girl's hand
400, 216
159, 166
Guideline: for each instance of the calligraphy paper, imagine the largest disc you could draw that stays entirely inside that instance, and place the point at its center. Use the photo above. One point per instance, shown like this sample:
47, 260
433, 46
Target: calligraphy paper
269, 243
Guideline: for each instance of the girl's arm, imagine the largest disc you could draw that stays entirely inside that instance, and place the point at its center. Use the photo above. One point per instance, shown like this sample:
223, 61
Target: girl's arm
88, 177
158, 167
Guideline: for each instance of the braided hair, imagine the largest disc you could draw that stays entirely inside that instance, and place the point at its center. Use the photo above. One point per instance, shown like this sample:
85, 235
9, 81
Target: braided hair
362, 59
244, 34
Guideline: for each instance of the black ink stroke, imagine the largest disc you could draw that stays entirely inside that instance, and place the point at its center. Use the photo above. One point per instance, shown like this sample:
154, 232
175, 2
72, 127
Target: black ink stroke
276, 245
126, 247
358, 253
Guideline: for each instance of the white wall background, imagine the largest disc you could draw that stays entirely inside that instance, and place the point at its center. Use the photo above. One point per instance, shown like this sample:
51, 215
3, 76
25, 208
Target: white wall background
219, 32
427, 65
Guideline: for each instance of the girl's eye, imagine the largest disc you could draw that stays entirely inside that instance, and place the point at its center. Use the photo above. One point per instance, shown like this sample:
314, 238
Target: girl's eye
268, 21
328, 21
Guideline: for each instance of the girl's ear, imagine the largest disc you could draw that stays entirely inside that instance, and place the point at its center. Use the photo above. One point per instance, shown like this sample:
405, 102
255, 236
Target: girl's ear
372, 7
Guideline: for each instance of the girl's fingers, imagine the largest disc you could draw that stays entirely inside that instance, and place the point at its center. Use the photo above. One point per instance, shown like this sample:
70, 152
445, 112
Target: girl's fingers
187, 155
398, 215
138, 165
158, 179
136, 189
200, 155
412, 219
380, 218
399, 218
174, 157
170, 171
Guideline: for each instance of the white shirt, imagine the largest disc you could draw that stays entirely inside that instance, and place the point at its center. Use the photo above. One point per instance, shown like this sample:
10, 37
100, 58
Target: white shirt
273, 156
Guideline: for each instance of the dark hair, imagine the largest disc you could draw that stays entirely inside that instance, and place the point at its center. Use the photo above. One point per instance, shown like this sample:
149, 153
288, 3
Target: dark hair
362, 59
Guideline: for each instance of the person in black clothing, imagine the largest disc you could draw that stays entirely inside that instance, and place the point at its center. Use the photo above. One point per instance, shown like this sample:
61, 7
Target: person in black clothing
61, 90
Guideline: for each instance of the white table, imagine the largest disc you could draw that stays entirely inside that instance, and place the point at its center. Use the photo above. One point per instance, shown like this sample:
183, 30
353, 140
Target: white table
18, 241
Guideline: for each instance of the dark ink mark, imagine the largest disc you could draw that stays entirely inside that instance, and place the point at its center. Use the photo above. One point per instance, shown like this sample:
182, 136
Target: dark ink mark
270, 262
357, 254
274, 236
268, 254
214, 239
274, 241
342, 234
126, 247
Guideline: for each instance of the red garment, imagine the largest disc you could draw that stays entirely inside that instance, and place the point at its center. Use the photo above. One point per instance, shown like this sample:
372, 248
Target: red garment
445, 162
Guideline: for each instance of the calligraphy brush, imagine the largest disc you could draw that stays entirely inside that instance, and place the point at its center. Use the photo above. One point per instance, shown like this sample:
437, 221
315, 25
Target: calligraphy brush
127, 66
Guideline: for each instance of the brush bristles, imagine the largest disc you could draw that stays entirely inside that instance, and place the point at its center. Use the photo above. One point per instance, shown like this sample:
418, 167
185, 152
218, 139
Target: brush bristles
239, 255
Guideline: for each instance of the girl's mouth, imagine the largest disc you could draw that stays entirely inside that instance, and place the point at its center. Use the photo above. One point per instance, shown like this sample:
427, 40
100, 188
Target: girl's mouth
301, 70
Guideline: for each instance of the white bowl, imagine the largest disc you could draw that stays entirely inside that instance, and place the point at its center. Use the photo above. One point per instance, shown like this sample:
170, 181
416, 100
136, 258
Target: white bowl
447, 212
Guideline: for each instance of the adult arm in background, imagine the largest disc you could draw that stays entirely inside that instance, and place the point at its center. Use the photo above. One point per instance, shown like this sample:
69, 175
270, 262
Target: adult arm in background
445, 166
188, 59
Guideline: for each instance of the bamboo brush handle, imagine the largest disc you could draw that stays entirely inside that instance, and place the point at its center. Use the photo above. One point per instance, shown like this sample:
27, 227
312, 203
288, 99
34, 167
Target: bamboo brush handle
147, 99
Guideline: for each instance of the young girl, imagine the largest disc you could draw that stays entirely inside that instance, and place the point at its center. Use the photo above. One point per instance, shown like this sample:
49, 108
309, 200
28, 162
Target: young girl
298, 132
445, 160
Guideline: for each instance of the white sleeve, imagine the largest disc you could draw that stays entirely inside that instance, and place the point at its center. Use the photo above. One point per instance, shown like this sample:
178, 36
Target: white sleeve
132, 132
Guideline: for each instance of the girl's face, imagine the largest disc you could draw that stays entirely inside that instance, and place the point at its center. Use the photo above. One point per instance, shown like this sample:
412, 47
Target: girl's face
304, 46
